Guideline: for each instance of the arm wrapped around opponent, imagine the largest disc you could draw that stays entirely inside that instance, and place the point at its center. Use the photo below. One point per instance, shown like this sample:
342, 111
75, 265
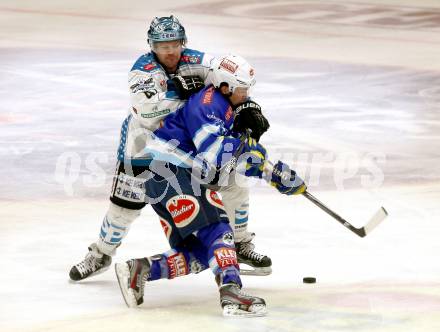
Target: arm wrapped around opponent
185, 86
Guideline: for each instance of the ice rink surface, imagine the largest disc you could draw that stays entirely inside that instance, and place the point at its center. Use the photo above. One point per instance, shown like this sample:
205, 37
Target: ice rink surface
352, 91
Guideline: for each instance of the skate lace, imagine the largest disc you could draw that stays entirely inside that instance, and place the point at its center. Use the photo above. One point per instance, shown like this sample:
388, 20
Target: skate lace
243, 293
247, 249
89, 264
238, 294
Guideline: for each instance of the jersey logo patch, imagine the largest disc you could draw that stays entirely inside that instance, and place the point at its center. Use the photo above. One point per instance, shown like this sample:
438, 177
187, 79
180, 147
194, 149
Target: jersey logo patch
228, 238
183, 209
195, 266
145, 85
166, 228
155, 114
213, 198
207, 98
229, 113
149, 66
191, 59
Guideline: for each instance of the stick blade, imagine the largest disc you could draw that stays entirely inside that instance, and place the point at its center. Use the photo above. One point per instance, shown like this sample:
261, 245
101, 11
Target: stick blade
380, 215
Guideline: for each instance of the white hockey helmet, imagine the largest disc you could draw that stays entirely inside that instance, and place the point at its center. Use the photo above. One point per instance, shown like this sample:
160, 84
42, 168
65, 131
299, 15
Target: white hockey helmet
233, 70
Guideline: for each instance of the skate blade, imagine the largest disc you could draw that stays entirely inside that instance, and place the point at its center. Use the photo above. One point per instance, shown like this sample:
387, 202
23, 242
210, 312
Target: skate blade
123, 274
255, 310
258, 271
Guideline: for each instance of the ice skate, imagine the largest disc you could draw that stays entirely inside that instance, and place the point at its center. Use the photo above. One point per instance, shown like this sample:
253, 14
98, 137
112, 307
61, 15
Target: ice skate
132, 276
236, 303
260, 265
94, 263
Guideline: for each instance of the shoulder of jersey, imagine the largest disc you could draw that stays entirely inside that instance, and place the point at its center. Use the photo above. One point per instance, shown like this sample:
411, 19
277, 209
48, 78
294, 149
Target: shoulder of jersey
147, 63
212, 103
192, 57
205, 96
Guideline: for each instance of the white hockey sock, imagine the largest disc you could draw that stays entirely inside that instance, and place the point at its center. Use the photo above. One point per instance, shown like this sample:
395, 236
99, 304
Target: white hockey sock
114, 227
241, 223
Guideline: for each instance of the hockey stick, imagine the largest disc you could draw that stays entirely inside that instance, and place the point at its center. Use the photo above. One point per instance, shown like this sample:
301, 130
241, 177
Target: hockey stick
232, 163
378, 217
374, 221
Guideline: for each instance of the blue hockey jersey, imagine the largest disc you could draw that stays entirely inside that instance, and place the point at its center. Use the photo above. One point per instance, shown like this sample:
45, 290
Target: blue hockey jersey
199, 132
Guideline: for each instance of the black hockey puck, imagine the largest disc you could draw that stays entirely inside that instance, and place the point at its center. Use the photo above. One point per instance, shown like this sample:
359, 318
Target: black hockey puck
309, 280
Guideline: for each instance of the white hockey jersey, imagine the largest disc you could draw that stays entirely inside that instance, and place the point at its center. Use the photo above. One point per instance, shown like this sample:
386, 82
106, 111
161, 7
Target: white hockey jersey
153, 97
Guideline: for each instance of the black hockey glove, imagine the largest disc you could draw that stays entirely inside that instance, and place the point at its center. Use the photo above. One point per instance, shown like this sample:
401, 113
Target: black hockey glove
249, 116
187, 85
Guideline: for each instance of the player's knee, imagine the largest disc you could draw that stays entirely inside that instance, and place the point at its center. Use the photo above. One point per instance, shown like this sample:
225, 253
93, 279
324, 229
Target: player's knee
235, 194
218, 234
219, 239
121, 216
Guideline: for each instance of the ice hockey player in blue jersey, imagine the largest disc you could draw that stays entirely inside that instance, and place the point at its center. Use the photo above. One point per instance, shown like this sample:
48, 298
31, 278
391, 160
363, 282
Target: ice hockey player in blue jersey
197, 138
159, 83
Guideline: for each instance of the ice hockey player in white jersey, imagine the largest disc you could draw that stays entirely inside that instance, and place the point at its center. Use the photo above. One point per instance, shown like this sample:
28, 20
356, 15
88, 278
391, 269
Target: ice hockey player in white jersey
159, 83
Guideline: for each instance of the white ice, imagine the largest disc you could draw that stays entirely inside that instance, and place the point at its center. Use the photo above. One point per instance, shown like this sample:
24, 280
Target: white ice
351, 89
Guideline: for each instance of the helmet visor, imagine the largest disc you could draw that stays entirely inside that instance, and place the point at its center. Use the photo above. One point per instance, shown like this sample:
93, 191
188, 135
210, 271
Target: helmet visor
167, 47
